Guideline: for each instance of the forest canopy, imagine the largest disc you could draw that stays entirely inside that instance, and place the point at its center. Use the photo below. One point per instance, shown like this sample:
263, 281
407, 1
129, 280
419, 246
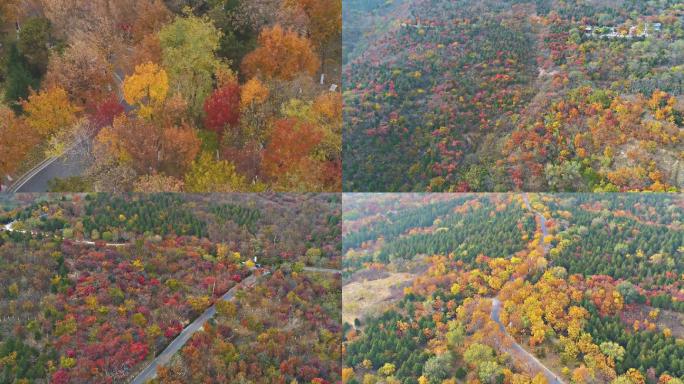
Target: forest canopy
513, 95
513, 288
155, 96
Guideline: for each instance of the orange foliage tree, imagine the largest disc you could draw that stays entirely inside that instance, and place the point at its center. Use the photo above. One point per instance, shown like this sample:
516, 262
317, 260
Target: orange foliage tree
281, 54
286, 158
16, 141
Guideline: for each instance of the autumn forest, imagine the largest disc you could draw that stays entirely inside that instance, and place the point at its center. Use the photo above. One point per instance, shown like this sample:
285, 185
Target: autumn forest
341, 191
513, 288
176, 95
160, 288
513, 95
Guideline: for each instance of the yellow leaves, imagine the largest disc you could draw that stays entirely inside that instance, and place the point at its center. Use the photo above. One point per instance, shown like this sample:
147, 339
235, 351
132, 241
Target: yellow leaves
91, 302
67, 362
635, 377
108, 141
438, 268
50, 111
367, 364
576, 316
137, 263
207, 174
225, 75
387, 369
329, 106
16, 140
221, 251
226, 308
653, 314
455, 289
147, 87
9, 360
539, 379
55, 280
253, 92
657, 99
347, 374
198, 303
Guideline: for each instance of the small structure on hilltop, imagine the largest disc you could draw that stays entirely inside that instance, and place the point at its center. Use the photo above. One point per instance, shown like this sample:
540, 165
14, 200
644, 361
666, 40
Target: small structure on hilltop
635, 31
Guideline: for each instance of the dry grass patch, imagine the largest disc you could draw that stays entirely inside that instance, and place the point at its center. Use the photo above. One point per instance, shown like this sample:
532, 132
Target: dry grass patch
361, 298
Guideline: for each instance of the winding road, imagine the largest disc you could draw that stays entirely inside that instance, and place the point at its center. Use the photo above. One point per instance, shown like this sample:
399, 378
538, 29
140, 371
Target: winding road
520, 353
542, 218
73, 162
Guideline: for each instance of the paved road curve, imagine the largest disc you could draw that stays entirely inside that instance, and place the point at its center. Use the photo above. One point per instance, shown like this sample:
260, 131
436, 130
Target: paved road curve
71, 163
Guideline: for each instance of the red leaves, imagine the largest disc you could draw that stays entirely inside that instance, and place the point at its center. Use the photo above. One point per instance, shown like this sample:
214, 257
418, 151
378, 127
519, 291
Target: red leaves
139, 351
60, 376
223, 108
289, 147
106, 111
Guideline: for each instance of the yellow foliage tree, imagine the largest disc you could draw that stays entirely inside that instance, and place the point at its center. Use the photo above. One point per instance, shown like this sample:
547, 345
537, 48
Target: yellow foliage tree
539, 379
146, 88
49, 111
387, 369
347, 374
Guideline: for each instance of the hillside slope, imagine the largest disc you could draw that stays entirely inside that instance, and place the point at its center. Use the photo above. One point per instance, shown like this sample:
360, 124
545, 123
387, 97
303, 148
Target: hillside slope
501, 95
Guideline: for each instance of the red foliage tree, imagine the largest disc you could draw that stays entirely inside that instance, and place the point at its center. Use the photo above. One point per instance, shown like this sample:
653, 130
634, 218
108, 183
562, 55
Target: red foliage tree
223, 108
105, 111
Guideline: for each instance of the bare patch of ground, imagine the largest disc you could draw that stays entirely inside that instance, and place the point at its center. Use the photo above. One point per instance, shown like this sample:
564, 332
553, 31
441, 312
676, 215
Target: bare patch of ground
373, 294
666, 318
